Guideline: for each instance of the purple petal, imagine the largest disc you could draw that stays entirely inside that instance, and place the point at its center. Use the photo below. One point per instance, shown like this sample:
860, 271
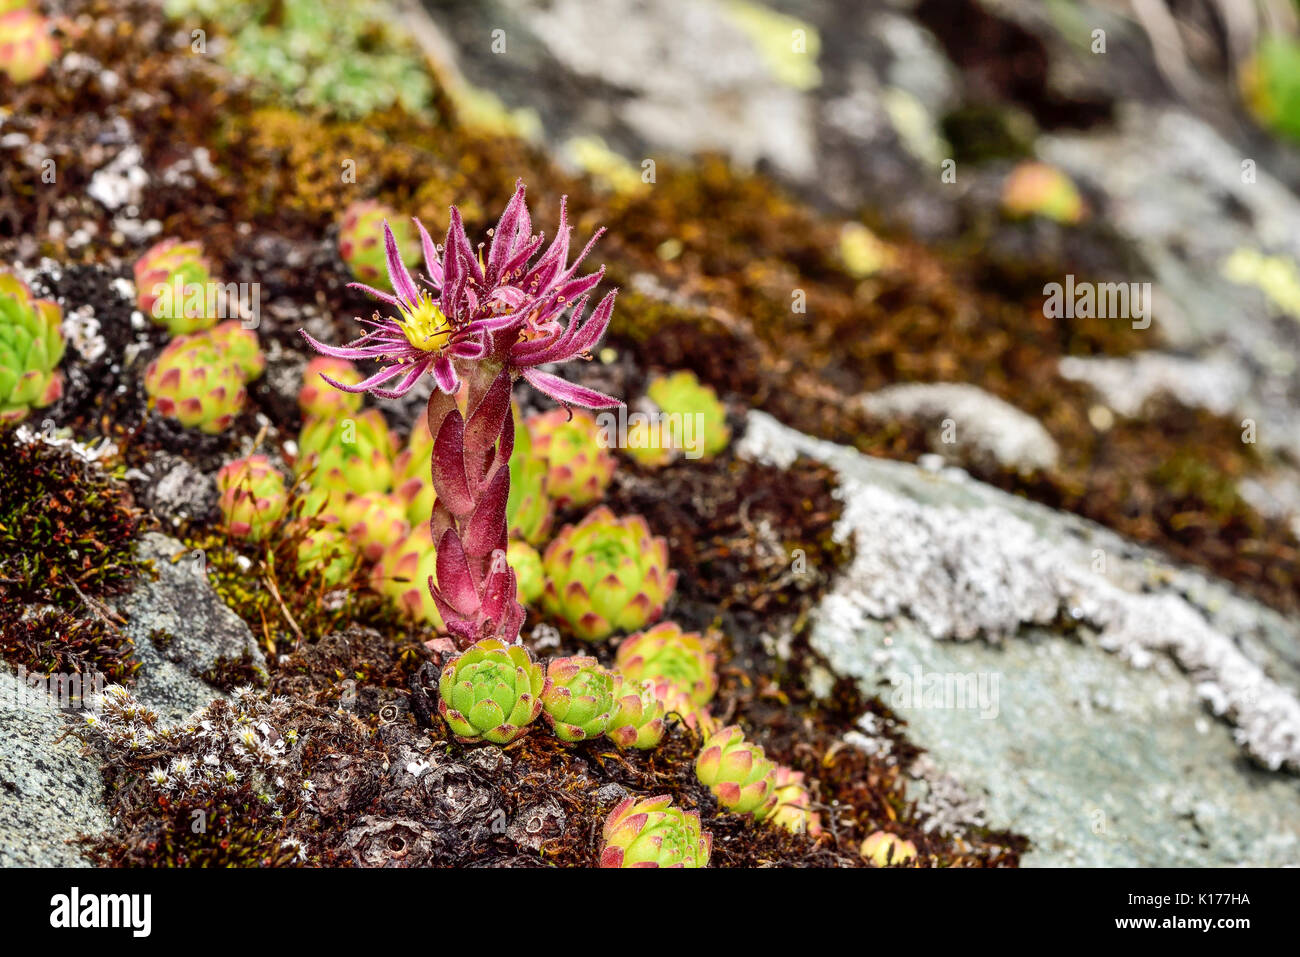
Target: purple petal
398, 275
383, 375
568, 393
431, 262
372, 291
444, 373
503, 237
338, 352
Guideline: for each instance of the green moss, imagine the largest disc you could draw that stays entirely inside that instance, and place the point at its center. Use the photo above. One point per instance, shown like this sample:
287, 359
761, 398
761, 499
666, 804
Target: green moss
66, 528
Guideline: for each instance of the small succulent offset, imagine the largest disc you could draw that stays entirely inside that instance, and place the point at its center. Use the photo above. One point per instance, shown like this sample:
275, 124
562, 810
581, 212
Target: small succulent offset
199, 379
738, 773
607, 574
693, 414
316, 399
252, 497
491, 692
652, 833
402, 573
793, 809
166, 279
579, 469
883, 849
1037, 189
638, 717
374, 522
579, 698
665, 652
26, 47
350, 454
361, 240
31, 346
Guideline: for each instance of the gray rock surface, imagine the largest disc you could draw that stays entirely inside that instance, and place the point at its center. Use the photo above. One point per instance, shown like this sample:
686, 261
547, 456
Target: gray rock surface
51, 792
982, 426
1117, 709
202, 629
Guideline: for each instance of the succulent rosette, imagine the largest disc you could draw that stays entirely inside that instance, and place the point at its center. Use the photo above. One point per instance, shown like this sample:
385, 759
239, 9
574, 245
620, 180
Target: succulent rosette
579, 698
26, 47
31, 347
738, 773
652, 833
319, 399
606, 574
638, 717
665, 652
679, 707
171, 286
326, 553
793, 809
350, 454
361, 240
1037, 189
402, 575
199, 379
885, 849
682, 394
530, 579
252, 498
491, 692
374, 522
579, 468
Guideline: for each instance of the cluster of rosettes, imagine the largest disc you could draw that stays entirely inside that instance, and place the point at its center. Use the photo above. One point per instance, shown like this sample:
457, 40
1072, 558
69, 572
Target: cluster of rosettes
26, 47
172, 280
738, 773
199, 379
678, 668
31, 346
607, 574
652, 833
350, 454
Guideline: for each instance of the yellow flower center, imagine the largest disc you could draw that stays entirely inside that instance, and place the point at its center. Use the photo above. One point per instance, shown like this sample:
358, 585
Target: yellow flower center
425, 326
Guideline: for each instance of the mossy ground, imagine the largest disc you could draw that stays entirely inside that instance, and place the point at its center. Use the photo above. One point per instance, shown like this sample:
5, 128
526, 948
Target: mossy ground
722, 309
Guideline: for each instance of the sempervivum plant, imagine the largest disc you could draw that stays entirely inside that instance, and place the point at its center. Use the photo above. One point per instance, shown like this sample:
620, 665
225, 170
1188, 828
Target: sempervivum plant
665, 652
26, 47
652, 833
793, 809
579, 698
638, 717
252, 497
199, 379
318, 399
402, 575
31, 345
491, 692
353, 453
579, 468
680, 395
171, 284
361, 240
607, 574
374, 522
738, 773
484, 318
